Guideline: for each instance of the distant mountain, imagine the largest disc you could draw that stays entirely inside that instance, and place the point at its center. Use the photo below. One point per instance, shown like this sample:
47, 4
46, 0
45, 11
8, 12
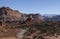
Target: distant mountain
49, 15
52, 18
56, 18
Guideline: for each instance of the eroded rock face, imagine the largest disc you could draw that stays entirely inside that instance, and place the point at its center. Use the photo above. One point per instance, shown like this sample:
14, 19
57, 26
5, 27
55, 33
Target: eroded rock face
8, 14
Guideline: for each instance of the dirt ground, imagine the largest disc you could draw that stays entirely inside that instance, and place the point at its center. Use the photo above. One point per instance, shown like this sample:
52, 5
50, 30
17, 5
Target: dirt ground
47, 37
8, 38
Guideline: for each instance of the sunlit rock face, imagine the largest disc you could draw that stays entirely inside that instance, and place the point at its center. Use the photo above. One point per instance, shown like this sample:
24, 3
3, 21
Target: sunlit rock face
8, 14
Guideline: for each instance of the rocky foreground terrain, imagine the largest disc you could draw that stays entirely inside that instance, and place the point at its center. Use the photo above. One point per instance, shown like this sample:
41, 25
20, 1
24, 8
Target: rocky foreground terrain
16, 25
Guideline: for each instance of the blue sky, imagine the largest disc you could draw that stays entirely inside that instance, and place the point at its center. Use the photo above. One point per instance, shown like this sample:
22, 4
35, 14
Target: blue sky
33, 6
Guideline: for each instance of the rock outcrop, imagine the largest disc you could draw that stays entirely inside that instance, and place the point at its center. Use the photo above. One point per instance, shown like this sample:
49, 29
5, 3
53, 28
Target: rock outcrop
8, 14
36, 17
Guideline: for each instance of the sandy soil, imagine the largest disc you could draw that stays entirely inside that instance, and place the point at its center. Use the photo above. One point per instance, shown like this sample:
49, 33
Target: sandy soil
8, 38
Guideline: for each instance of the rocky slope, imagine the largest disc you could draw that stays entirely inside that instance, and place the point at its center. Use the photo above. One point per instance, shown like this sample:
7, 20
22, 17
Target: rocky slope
7, 14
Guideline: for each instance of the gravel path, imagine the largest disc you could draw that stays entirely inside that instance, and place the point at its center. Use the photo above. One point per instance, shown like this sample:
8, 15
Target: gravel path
21, 33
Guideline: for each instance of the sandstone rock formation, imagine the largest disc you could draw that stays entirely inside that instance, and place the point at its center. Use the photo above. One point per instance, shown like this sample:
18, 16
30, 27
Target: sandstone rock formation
8, 14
